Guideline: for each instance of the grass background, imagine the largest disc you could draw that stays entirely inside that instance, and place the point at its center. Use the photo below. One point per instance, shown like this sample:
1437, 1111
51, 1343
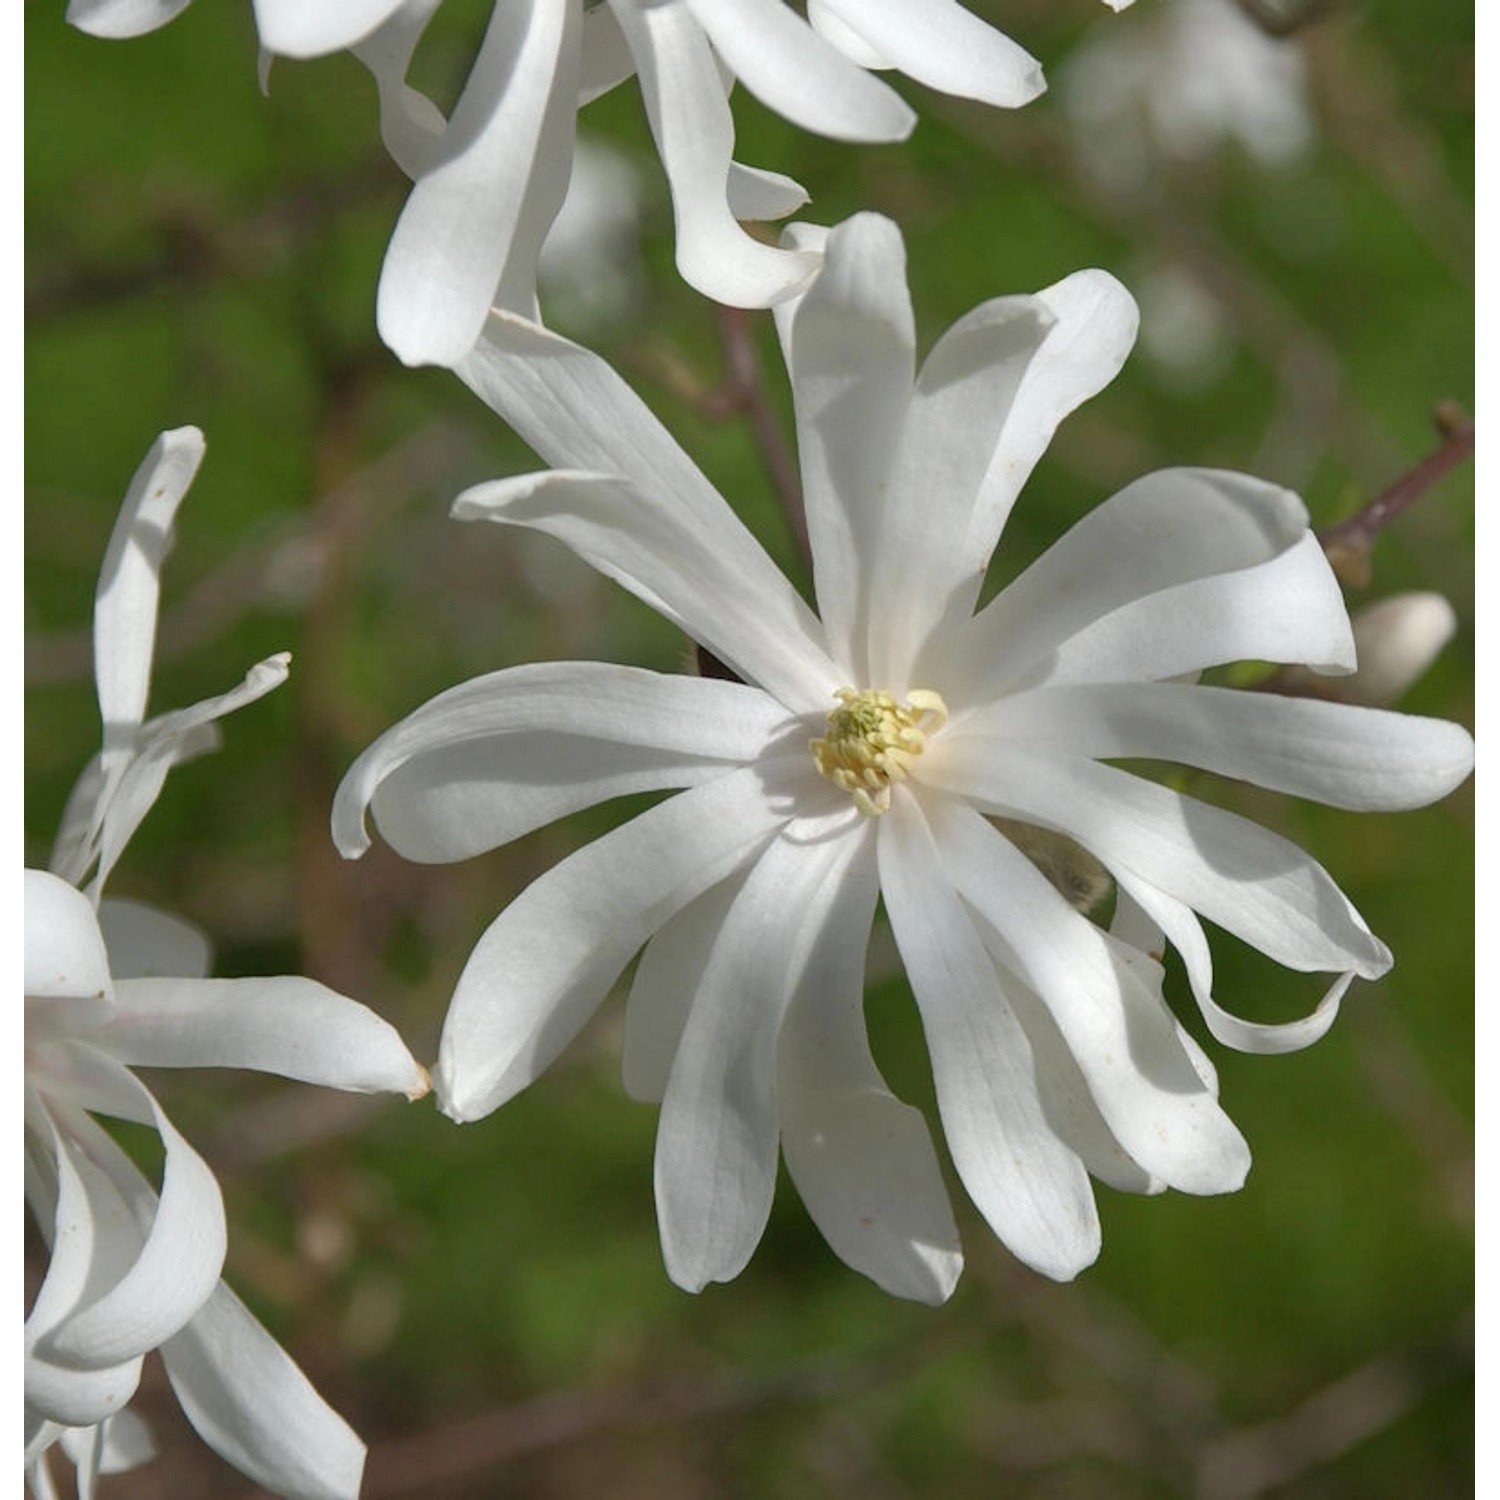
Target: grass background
486, 1304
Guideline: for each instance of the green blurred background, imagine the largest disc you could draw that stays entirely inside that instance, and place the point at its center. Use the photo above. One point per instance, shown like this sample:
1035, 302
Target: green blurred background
486, 1304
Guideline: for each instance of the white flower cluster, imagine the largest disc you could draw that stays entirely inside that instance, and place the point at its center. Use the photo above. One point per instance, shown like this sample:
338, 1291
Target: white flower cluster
899, 744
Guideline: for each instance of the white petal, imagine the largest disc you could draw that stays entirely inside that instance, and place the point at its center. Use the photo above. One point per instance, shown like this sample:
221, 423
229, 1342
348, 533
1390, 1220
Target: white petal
661, 993
1362, 758
117, 19
758, 194
493, 758
717, 1138
411, 125
1025, 1180
939, 43
1185, 933
129, 591
295, 28
1250, 881
546, 961
145, 940
252, 1405
476, 219
65, 953
827, 24
792, 70
605, 60
988, 399
862, 1160
179, 1262
1114, 1023
694, 133
850, 344
705, 573
287, 1025
1163, 531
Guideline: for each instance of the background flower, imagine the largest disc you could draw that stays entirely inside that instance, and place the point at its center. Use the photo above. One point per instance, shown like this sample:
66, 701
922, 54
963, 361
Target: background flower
111, 987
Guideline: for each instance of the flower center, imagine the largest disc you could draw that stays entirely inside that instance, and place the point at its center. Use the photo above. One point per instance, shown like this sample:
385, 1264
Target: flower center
872, 741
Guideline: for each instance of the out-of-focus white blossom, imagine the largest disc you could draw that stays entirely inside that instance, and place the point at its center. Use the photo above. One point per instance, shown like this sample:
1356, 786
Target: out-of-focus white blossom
112, 985
863, 754
1178, 80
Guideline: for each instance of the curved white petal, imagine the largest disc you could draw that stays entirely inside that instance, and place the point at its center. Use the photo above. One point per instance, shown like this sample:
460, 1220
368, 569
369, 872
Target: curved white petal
288, 1025
545, 963
1248, 880
182, 1240
705, 573
717, 1137
662, 990
792, 70
252, 1405
476, 219
145, 940
694, 131
64, 948
411, 125
849, 344
988, 399
1162, 531
862, 1161
1112, 1019
605, 61
297, 28
1029, 1184
1183, 930
1361, 758
129, 591
118, 19
757, 194
939, 43
827, 24
493, 758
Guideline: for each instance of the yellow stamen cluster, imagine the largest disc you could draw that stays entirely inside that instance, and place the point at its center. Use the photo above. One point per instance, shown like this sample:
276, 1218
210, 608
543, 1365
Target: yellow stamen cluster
872, 741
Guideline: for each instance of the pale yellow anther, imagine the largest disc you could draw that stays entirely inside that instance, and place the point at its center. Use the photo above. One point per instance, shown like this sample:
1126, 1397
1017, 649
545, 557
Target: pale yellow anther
872, 741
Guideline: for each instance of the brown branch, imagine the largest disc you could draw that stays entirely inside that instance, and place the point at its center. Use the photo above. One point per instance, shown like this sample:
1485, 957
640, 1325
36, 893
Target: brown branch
1348, 542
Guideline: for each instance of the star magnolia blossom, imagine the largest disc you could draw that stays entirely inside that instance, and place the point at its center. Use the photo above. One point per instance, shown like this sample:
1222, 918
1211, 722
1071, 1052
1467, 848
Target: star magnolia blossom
863, 755
110, 985
491, 178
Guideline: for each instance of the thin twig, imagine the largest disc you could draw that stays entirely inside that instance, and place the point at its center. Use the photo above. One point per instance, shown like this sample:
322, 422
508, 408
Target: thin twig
1348, 542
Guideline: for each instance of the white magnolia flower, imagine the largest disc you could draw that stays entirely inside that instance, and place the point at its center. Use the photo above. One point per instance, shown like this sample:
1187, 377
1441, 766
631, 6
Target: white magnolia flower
111, 985
1179, 84
862, 756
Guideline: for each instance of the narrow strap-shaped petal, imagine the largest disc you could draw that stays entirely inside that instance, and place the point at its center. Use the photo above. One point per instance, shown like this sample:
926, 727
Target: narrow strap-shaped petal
1026, 1181
705, 573
125, 605
182, 1244
849, 345
941, 44
988, 399
251, 1404
293, 28
118, 19
827, 24
64, 948
716, 1142
545, 963
862, 1160
605, 61
476, 219
1114, 1023
145, 940
1248, 880
411, 125
1363, 758
284, 1024
792, 70
493, 758
662, 990
755, 193
1185, 933
1162, 530
694, 132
